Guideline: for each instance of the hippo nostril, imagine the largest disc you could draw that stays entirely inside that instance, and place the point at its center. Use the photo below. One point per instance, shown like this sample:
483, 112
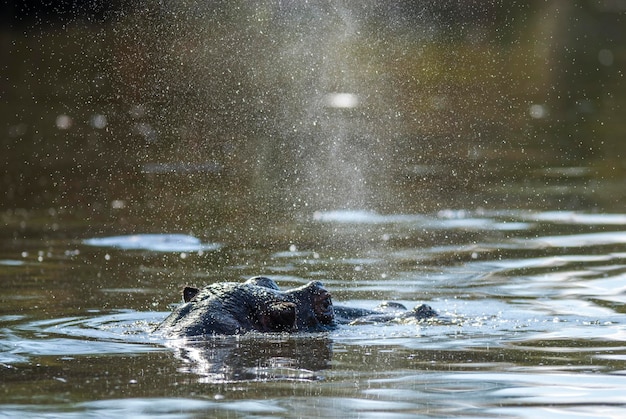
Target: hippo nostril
327, 303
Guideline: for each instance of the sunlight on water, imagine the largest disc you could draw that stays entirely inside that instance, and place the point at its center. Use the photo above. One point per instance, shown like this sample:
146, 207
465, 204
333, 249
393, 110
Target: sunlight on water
580, 240
572, 217
154, 242
444, 220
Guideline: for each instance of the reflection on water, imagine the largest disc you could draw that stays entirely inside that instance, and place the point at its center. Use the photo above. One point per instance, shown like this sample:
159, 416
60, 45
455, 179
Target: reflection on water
255, 358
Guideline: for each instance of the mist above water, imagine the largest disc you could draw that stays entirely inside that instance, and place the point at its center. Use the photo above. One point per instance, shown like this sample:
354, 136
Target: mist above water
175, 109
321, 106
322, 109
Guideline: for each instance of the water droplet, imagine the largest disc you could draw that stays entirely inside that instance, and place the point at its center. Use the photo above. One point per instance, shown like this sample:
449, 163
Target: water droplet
605, 56
341, 100
98, 121
64, 122
537, 111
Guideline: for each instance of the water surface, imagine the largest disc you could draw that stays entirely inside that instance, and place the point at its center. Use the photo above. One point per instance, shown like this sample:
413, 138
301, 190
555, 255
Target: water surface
531, 322
469, 158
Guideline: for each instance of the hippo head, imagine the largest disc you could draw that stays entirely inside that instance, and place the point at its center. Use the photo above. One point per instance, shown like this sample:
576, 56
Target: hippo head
314, 305
323, 305
258, 304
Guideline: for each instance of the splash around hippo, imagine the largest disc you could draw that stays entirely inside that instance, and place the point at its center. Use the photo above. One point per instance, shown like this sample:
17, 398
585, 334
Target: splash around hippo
230, 308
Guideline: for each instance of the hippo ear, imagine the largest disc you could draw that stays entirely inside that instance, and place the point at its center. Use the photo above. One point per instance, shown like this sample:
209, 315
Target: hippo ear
189, 293
424, 311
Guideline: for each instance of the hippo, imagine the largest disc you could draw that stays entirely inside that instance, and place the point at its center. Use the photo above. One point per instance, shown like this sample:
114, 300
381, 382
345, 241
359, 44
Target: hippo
387, 311
258, 305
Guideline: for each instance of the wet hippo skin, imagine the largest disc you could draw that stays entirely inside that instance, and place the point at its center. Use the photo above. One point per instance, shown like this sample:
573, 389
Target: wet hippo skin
230, 308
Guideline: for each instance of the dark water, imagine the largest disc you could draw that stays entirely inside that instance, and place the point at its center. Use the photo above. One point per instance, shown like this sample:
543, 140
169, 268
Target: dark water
469, 158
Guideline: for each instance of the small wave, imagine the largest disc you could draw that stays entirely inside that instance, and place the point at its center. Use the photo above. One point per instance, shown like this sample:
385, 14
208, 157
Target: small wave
579, 240
443, 220
573, 217
363, 217
178, 407
11, 262
154, 242
113, 333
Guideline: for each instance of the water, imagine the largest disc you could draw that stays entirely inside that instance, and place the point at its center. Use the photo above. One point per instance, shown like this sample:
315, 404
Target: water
531, 323
466, 158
